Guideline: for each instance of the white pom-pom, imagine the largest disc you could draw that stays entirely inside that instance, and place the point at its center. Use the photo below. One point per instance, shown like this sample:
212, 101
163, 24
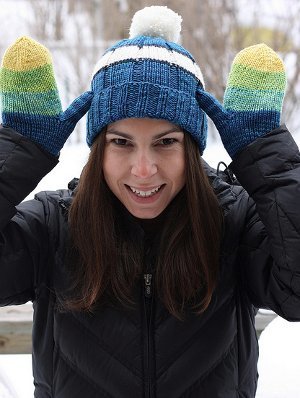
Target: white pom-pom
156, 21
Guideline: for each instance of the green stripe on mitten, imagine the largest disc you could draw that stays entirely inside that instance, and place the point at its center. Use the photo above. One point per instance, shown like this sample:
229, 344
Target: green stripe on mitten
256, 81
253, 98
30, 101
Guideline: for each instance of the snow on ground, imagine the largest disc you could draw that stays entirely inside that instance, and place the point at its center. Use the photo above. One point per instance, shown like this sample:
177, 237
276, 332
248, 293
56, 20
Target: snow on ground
279, 365
16, 379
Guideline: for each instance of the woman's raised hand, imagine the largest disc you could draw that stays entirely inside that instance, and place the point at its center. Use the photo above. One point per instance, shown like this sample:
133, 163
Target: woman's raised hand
253, 98
30, 101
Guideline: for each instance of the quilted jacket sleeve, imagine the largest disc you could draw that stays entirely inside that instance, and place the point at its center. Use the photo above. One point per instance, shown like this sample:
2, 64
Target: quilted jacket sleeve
269, 170
23, 234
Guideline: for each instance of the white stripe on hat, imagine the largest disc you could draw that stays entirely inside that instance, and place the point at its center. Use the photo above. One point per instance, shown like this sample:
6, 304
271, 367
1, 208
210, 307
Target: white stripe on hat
149, 52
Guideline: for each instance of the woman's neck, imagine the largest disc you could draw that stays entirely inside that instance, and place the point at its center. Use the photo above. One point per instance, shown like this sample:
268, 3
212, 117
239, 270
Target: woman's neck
152, 226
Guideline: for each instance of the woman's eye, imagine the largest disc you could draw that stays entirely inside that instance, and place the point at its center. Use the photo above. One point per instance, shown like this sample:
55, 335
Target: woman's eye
120, 141
167, 141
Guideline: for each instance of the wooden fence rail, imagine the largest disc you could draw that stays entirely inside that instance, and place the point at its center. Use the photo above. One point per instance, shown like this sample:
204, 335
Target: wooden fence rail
16, 327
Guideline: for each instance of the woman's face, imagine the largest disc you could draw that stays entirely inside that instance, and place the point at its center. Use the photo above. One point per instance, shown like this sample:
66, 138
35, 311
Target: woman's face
144, 164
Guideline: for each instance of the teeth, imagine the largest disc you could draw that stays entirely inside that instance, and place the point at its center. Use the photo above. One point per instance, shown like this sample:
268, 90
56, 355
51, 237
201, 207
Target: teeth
145, 194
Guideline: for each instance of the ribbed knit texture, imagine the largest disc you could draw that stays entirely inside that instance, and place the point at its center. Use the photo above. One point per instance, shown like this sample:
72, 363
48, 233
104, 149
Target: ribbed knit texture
147, 77
30, 102
252, 100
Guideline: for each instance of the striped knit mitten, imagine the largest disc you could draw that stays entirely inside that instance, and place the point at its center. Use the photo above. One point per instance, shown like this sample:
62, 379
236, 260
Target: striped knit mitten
252, 100
30, 102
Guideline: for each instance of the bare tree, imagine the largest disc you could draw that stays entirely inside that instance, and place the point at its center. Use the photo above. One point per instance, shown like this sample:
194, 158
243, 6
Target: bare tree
72, 30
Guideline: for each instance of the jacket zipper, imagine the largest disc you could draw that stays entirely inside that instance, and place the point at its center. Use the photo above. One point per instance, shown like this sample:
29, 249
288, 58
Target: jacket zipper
148, 287
148, 300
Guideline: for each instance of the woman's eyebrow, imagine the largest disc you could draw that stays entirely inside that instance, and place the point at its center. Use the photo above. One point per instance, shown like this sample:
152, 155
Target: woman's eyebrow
173, 130
124, 135
129, 137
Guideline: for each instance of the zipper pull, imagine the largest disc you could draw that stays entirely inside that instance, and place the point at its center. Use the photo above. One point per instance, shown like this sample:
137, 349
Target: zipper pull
148, 290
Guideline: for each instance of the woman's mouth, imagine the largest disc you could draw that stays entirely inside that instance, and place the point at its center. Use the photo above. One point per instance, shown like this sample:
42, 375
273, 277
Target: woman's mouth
145, 193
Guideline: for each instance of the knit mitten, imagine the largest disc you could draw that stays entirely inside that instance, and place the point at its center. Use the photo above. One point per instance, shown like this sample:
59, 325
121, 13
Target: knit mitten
252, 100
30, 102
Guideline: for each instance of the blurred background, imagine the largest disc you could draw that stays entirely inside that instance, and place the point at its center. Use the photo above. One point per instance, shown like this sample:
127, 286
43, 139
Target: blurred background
77, 32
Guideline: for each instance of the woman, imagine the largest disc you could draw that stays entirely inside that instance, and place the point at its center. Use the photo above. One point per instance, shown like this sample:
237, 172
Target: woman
146, 275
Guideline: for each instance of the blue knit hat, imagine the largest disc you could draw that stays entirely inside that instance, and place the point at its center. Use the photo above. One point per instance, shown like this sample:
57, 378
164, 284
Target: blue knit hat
148, 75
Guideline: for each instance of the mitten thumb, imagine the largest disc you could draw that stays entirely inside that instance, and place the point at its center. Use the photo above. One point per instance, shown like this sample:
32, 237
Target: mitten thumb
78, 108
212, 107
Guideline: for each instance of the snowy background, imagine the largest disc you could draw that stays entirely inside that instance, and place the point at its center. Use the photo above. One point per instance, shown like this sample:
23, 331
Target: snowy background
279, 364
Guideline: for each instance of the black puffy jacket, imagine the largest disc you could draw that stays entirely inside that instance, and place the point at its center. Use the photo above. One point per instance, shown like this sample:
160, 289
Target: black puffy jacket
145, 352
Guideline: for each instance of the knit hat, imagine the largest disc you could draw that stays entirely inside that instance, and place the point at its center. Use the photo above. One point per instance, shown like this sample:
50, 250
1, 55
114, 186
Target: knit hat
148, 75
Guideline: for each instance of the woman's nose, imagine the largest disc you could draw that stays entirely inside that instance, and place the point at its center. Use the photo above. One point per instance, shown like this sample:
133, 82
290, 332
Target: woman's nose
144, 166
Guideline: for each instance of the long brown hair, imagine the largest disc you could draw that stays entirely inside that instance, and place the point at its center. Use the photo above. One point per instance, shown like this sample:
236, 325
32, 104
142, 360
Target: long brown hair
106, 261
